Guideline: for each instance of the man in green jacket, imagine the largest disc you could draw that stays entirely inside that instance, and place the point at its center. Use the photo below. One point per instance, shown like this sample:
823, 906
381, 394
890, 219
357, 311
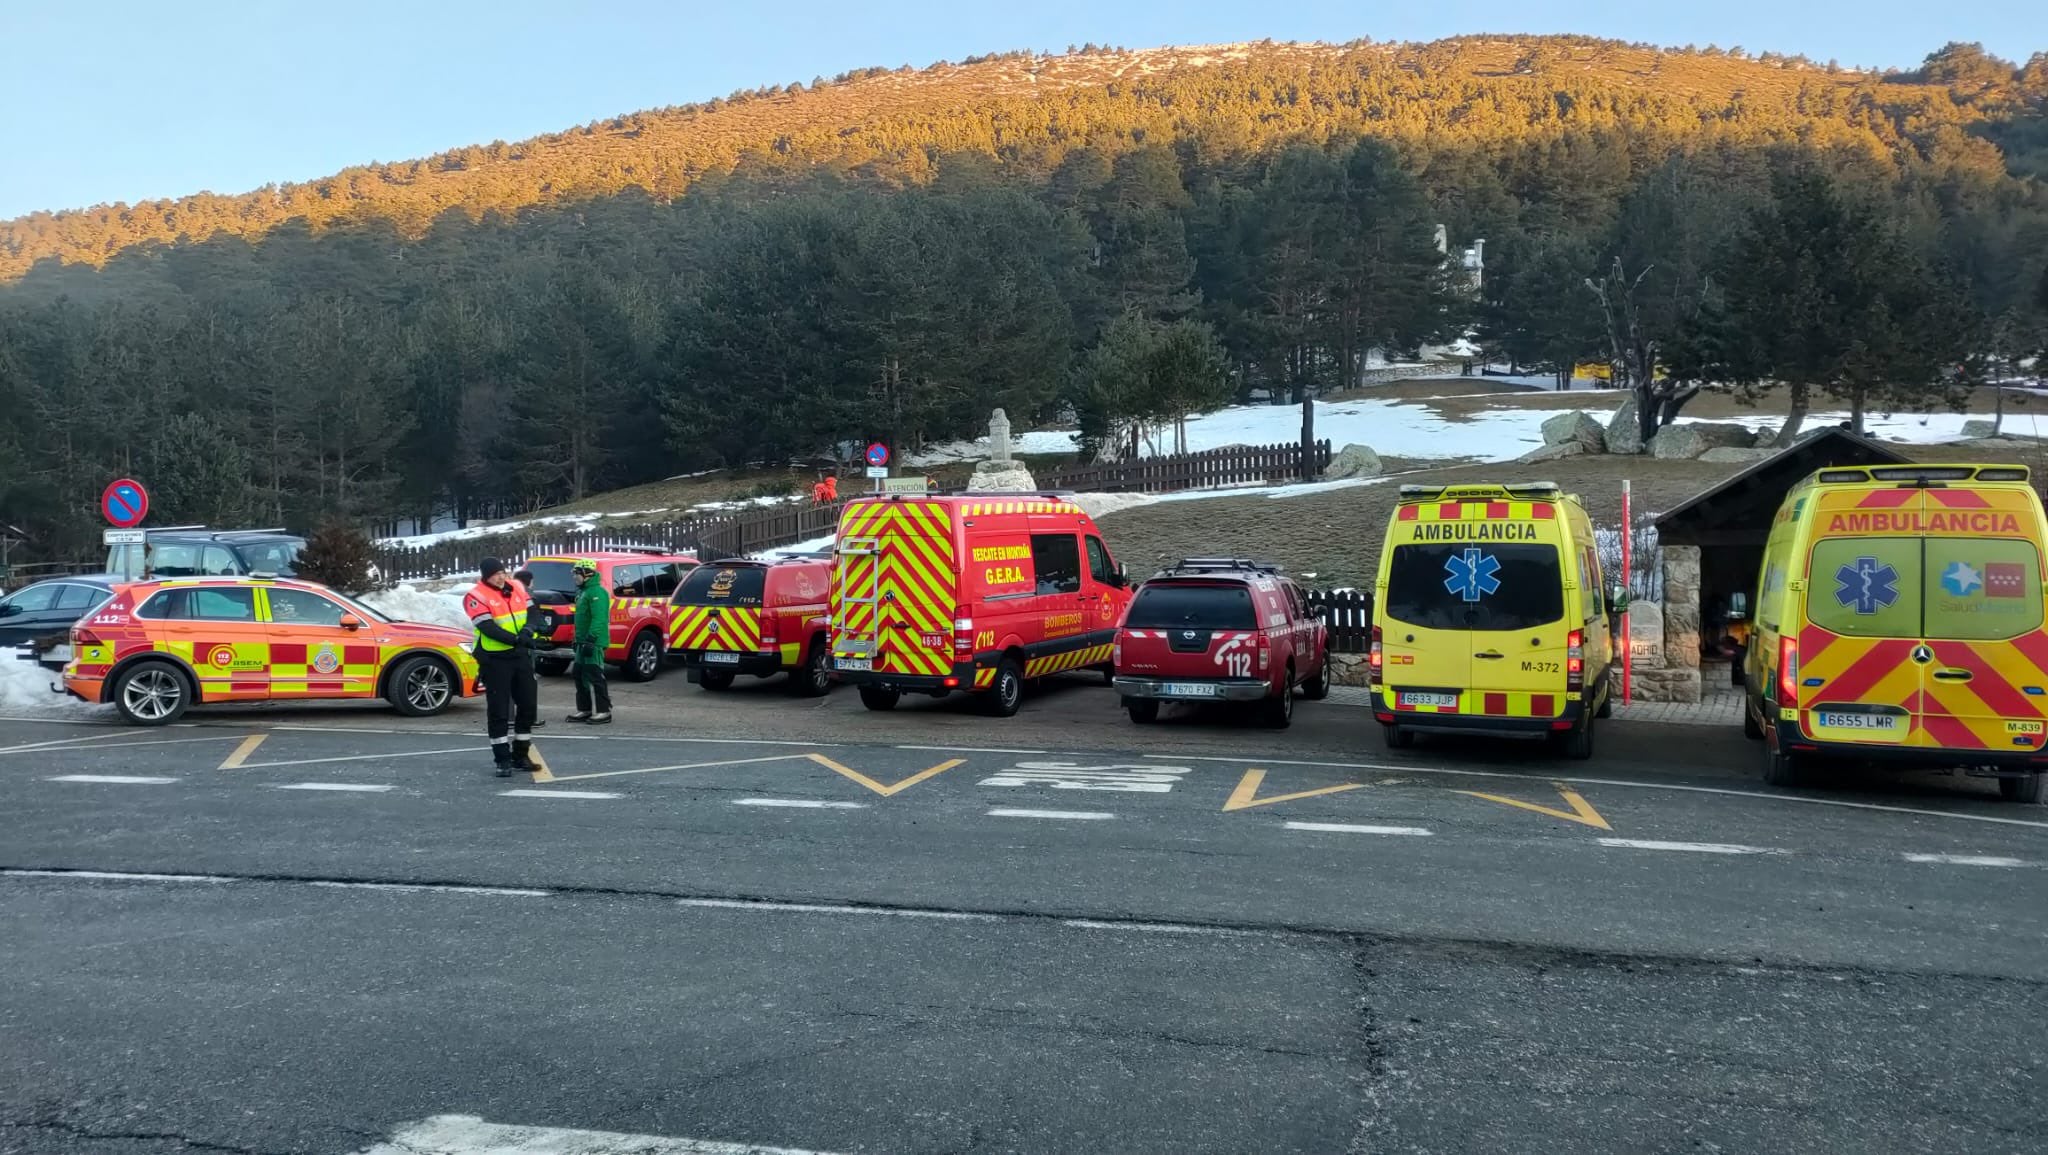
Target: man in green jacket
593, 633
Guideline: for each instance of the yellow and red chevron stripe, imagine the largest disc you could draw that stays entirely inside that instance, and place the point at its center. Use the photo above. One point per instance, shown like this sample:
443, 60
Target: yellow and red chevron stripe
734, 628
1026, 505
911, 578
1948, 714
1050, 664
1479, 511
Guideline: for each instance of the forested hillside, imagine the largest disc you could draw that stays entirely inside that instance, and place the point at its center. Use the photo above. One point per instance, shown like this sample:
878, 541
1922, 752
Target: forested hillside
1133, 235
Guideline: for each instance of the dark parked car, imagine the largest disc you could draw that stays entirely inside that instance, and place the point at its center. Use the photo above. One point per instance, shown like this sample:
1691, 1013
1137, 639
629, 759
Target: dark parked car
39, 616
195, 551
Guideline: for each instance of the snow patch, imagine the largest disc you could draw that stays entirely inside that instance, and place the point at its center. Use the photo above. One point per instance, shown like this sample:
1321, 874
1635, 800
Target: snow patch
25, 689
430, 603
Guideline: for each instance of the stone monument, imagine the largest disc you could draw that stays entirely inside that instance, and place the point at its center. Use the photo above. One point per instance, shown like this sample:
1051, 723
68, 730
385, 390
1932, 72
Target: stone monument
1001, 473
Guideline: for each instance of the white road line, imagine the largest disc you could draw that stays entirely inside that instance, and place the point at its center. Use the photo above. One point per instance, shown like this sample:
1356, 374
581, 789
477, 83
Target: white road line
822, 908
552, 736
116, 875
1350, 828
800, 803
67, 741
1623, 782
973, 750
114, 779
469, 1135
1163, 928
1082, 815
1968, 859
473, 749
429, 888
345, 787
1691, 847
556, 794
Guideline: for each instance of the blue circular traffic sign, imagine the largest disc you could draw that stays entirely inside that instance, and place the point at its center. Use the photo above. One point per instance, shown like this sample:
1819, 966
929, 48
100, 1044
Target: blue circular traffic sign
878, 454
125, 503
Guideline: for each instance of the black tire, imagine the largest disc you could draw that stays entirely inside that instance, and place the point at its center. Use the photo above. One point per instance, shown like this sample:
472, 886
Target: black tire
1399, 739
876, 698
421, 687
152, 694
1317, 688
1006, 693
715, 680
1143, 711
813, 679
551, 667
1750, 727
644, 655
1277, 711
1577, 742
1782, 767
2032, 789
1606, 709
1108, 675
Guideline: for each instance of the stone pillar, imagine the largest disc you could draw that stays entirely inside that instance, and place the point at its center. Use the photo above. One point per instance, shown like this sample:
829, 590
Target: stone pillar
1682, 620
999, 437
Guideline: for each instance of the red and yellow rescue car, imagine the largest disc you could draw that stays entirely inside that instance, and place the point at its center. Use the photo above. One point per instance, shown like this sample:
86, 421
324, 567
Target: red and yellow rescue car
157, 648
757, 618
641, 582
972, 592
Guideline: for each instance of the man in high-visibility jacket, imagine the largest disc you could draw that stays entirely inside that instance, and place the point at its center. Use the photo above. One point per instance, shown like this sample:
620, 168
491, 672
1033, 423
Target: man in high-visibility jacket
504, 653
593, 633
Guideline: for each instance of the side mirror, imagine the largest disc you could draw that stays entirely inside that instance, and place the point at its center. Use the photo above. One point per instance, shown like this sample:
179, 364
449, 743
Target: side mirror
1617, 599
1738, 608
8, 609
524, 577
351, 622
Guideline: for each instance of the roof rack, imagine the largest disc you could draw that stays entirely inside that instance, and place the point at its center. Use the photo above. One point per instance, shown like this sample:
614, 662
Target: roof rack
1200, 564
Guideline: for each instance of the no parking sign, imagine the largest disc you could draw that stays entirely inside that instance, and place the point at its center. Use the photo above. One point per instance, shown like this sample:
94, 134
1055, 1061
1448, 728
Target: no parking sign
125, 503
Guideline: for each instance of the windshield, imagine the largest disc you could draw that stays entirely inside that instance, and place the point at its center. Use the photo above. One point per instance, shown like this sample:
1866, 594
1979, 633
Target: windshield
1187, 606
270, 556
552, 581
1496, 586
723, 585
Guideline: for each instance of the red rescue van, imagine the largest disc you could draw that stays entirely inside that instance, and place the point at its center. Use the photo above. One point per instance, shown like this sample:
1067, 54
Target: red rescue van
640, 580
970, 592
758, 618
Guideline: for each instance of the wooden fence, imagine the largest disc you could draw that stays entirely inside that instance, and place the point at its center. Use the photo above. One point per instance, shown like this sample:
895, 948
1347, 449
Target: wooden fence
1231, 465
1348, 613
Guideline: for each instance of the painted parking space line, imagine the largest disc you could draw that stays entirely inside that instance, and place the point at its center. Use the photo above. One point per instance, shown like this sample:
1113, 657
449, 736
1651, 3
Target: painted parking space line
1078, 815
338, 787
828, 908
1246, 795
679, 766
1581, 811
888, 791
471, 749
54, 742
115, 875
1356, 828
470, 1135
800, 803
1688, 847
130, 745
240, 754
1967, 860
412, 888
556, 794
114, 779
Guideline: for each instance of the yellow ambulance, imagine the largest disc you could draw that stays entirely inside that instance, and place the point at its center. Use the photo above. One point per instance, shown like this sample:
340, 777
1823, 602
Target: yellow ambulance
1899, 620
1490, 617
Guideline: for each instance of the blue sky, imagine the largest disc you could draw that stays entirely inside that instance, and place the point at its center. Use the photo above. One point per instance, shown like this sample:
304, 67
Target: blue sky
121, 100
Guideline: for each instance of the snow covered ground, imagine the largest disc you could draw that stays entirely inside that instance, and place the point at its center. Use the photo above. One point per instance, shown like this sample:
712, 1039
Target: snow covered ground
25, 691
437, 603
580, 522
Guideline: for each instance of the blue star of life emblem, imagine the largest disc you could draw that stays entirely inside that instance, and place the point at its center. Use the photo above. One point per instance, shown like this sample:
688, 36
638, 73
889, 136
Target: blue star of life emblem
1472, 574
1866, 586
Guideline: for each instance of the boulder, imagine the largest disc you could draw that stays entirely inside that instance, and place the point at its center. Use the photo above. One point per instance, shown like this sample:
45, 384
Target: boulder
1678, 443
1575, 429
1667, 685
1002, 477
1624, 433
1353, 461
1554, 452
1735, 455
1351, 669
1979, 430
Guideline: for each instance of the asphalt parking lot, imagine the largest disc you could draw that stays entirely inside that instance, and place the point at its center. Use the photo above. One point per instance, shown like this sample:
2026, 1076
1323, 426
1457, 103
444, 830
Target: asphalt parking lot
744, 918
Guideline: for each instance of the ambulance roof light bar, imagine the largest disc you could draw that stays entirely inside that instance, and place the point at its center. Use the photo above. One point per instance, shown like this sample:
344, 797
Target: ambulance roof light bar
1517, 490
1922, 476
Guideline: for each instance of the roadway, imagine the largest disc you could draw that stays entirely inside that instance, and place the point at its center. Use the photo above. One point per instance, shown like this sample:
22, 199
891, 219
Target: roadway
759, 920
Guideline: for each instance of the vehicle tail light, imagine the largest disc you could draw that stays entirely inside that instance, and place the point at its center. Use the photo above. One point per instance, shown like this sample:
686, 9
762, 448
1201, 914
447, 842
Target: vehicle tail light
80, 636
1575, 660
963, 636
1788, 670
1116, 652
1378, 659
1265, 653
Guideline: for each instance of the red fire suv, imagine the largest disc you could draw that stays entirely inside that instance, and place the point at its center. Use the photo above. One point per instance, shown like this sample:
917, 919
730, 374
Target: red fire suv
640, 580
1221, 630
758, 618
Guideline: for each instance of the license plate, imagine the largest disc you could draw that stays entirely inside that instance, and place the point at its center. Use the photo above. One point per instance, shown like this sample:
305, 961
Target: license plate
1426, 698
727, 659
855, 663
1188, 690
1834, 721
58, 654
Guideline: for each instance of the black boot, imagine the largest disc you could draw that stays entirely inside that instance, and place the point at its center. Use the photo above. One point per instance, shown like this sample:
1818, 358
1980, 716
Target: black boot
503, 756
520, 760
578, 716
